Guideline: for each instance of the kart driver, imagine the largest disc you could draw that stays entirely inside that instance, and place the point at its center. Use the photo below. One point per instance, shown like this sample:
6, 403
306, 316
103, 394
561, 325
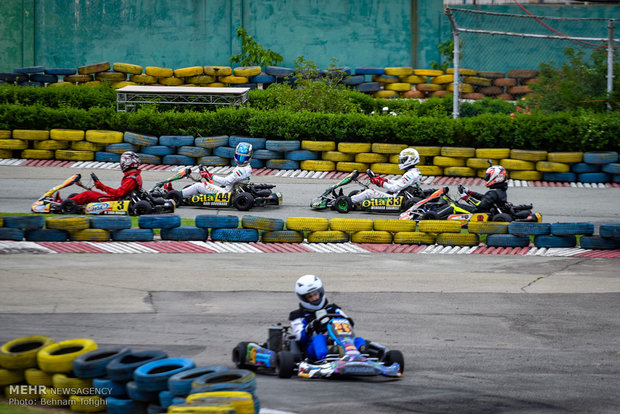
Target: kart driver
407, 161
214, 184
495, 177
131, 181
307, 329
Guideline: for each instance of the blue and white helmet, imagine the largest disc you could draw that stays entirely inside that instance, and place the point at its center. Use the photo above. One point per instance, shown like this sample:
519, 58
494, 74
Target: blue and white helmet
243, 153
310, 284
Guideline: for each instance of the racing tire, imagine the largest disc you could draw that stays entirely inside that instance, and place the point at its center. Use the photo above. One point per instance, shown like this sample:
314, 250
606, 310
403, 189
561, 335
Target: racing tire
507, 240
555, 241
69, 206
21, 353
439, 226
11, 234
570, 229
328, 236
610, 231
238, 355
180, 384
175, 196
600, 157
234, 235
529, 229
35, 376
393, 225
262, 223
503, 217
159, 222
25, 222
599, 243
350, 225
414, 237
154, 375
285, 364
185, 233
452, 239
307, 223
282, 236
122, 367
343, 204
93, 364
243, 201
395, 356
59, 357
227, 380
216, 222
141, 208
372, 236
10, 376
110, 223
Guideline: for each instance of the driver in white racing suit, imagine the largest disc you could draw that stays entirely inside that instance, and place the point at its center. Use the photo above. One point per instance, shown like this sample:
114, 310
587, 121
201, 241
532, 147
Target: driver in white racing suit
214, 184
407, 161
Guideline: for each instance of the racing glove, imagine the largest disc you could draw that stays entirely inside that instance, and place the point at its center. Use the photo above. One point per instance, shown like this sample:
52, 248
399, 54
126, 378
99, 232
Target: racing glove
206, 175
378, 181
98, 184
94, 177
464, 190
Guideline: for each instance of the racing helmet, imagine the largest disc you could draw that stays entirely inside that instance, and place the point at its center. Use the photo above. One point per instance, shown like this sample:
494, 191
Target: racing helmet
309, 284
408, 158
243, 153
129, 160
494, 175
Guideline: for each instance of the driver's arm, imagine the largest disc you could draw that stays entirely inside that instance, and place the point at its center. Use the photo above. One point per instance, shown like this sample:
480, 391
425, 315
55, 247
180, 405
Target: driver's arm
237, 174
409, 178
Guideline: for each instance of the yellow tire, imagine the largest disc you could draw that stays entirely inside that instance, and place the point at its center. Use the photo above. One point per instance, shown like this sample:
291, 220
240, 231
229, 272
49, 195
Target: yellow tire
317, 165
64, 381
430, 170
90, 235
459, 172
328, 236
381, 148
307, 223
480, 163
442, 161
171, 81
30, 134
478, 81
398, 87
414, 79
211, 408
33, 154
236, 80
78, 78
214, 85
57, 84
370, 157
10, 376
528, 155
158, 72
94, 68
354, 147
188, 72
386, 168
428, 87
87, 403
51, 398
86, 146
242, 401
525, 175
427, 72
143, 79
103, 136
247, 71
414, 237
50, 144
385, 79
517, 165
111, 76
118, 85
21, 353
442, 79
487, 227
350, 225
385, 94
350, 166
5, 133
439, 226
337, 156
555, 167
393, 225
67, 223
127, 68
463, 87
398, 71
568, 157
67, 134
495, 153
318, 145
463, 239
371, 236
201, 79
463, 71
458, 152
218, 70
71, 155
13, 144
59, 357
6, 154
428, 151
35, 376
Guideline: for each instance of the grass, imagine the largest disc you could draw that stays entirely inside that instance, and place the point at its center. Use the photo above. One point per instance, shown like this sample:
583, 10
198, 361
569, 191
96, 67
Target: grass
20, 409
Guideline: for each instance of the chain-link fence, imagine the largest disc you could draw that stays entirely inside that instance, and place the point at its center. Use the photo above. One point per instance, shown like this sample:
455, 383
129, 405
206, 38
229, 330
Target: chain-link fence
498, 54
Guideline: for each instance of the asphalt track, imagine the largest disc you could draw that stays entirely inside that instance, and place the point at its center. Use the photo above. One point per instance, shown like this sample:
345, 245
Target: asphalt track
480, 333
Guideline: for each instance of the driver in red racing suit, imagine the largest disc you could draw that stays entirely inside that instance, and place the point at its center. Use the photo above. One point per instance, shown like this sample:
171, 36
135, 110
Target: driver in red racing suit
132, 180
306, 328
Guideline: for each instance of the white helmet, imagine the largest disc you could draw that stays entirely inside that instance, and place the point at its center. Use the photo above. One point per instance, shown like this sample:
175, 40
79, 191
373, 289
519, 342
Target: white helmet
129, 160
494, 175
408, 158
309, 284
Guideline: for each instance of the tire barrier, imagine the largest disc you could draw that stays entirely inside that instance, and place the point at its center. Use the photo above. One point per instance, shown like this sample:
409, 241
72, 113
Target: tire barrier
93, 364
46, 235
59, 357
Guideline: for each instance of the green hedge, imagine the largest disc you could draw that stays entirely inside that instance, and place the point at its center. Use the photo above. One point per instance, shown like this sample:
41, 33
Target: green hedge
557, 132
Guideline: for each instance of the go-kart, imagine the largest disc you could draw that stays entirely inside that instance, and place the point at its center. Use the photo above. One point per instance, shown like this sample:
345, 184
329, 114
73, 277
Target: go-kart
342, 203
281, 354
243, 195
137, 203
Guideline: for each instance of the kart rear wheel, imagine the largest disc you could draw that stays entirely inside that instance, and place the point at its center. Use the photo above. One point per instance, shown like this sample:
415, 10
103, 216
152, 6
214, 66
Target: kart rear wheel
343, 204
238, 355
395, 356
69, 206
175, 196
503, 217
243, 202
285, 364
430, 215
142, 207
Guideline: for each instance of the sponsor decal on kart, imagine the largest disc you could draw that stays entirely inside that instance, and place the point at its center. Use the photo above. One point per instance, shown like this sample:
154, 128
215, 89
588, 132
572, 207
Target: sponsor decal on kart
108, 207
259, 356
211, 199
383, 202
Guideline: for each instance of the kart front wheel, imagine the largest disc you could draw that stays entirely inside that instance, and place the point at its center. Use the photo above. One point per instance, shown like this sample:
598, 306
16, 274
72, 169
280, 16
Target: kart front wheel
238, 355
243, 202
343, 204
285, 364
502, 217
430, 215
395, 356
175, 196
69, 206
142, 207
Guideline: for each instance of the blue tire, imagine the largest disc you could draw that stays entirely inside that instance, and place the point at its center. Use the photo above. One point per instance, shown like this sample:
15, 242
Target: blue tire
254, 163
110, 222
611, 168
121, 147
229, 380
193, 152
30, 83
149, 159
207, 221
555, 241
507, 240
61, 71
528, 229
282, 164
354, 80
124, 406
165, 398
211, 142
600, 157
44, 78
599, 177
598, 243
213, 160
181, 384
224, 152
107, 157
262, 223
176, 140
562, 177
132, 235
610, 230
153, 221
24, 222
257, 143
262, 79
570, 229
369, 70
282, 146
184, 233
154, 409
30, 69
235, 235
177, 160
158, 150
278, 71
154, 375
48, 235
139, 139
121, 368
107, 388
582, 167
368, 87
265, 154
93, 364
7, 233
302, 155
137, 393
